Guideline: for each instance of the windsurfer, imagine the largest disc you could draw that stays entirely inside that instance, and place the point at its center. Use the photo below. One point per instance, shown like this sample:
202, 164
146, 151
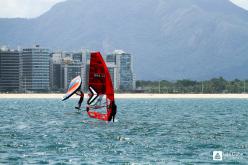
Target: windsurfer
75, 87
81, 94
101, 91
113, 112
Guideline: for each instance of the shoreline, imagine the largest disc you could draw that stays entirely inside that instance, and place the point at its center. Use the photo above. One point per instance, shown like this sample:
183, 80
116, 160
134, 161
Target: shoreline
131, 96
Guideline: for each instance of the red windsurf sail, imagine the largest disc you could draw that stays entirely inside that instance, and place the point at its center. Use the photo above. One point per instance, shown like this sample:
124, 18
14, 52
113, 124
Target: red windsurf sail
101, 92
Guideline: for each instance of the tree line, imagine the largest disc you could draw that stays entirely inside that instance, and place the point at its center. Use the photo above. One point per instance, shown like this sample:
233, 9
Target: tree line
215, 85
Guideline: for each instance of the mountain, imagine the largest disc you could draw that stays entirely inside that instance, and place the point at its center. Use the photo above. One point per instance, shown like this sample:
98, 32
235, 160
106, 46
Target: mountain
169, 39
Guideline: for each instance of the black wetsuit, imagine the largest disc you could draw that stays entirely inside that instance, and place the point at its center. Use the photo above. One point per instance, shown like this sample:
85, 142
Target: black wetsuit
113, 113
80, 100
114, 109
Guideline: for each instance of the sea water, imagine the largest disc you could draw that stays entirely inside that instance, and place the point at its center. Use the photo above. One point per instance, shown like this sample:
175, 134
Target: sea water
146, 131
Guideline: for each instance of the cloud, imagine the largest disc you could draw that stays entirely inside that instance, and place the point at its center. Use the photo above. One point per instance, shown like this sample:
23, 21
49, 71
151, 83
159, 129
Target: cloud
25, 8
241, 3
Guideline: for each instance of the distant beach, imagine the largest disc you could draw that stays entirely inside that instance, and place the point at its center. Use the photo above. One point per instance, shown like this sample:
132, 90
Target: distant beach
132, 96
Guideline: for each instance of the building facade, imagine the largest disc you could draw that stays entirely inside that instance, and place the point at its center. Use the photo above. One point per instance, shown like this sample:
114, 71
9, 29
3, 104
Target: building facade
37, 70
86, 62
64, 67
35, 66
72, 68
56, 72
123, 64
10, 70
113, 73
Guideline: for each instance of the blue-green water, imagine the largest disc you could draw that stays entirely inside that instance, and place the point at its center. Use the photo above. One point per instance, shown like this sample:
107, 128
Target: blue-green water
162, 131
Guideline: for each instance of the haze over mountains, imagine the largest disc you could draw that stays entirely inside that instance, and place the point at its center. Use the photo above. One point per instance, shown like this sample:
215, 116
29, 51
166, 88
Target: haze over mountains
169, 39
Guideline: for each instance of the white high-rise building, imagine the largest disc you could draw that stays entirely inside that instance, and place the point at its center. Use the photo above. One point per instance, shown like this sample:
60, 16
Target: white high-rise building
125, 78
113, 73
85, 69
35, 63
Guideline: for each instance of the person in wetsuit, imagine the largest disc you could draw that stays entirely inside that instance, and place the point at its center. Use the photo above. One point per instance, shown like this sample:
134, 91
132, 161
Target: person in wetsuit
81, 94
113, 112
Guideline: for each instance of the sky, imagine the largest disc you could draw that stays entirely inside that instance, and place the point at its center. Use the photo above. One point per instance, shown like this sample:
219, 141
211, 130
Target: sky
34, 8
25, 8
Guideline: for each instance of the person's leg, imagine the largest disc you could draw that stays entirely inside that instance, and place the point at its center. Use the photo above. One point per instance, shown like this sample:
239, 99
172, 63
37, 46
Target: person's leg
80, 101
113, 118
